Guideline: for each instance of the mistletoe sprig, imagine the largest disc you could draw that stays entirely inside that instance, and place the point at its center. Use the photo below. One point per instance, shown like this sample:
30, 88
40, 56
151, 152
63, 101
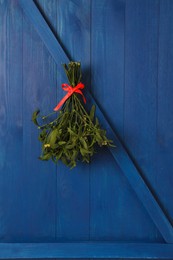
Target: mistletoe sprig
74, 134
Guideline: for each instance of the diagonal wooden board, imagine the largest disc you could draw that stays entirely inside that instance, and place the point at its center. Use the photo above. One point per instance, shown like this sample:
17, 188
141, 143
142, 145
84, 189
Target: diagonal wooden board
120, 154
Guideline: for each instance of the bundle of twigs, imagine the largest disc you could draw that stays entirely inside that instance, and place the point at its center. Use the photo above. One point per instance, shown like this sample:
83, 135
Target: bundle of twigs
74, 134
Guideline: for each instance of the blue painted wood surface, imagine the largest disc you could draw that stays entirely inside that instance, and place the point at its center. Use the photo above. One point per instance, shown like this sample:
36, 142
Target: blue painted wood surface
125, 50
140, 93
106, 214
11, 122
83, 250
122, 158
164, 133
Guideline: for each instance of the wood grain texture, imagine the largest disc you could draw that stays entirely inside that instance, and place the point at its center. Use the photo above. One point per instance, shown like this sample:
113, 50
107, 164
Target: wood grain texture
11, 133
107, 81
42, 28
86, 249
128, 168
126, 52
140, 105
39, 178
165, 108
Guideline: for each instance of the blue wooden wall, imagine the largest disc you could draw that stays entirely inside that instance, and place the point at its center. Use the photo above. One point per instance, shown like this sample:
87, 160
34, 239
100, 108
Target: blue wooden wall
126, 51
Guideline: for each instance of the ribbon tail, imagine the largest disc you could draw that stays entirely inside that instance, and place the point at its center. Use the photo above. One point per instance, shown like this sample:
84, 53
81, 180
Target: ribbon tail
84, 99
62, 102
80, 92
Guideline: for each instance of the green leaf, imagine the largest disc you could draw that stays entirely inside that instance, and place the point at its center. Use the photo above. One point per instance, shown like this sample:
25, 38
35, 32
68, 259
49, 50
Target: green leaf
64, 160
98, 137
74, 154
84, 151
92, 112
52, 137
45, 157
58, 155
61, 142
83, 142
93, 141
34, 117
97, 122
42, 135
70, 146
72, 164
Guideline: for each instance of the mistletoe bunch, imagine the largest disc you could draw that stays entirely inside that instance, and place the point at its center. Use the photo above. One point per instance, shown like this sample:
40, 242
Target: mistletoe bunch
74, 134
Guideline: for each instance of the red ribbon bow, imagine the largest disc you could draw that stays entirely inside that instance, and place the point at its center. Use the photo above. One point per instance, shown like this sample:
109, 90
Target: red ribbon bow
70, 91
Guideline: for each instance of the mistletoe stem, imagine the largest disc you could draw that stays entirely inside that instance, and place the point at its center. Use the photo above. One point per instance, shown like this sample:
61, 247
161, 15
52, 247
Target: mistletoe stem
44, 117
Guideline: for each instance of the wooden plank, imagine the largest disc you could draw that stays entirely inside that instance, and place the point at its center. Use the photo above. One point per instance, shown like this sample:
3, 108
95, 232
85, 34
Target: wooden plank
165, 107
140, 104
108, 209
120, 154
85, 250
11, 118
39, 178
73, 213
46, 33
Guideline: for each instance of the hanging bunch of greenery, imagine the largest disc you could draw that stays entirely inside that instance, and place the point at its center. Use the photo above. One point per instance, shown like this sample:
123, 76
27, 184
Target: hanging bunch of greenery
74, 134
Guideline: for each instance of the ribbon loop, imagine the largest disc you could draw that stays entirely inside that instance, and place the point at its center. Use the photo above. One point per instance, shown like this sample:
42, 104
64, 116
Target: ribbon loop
70, 90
